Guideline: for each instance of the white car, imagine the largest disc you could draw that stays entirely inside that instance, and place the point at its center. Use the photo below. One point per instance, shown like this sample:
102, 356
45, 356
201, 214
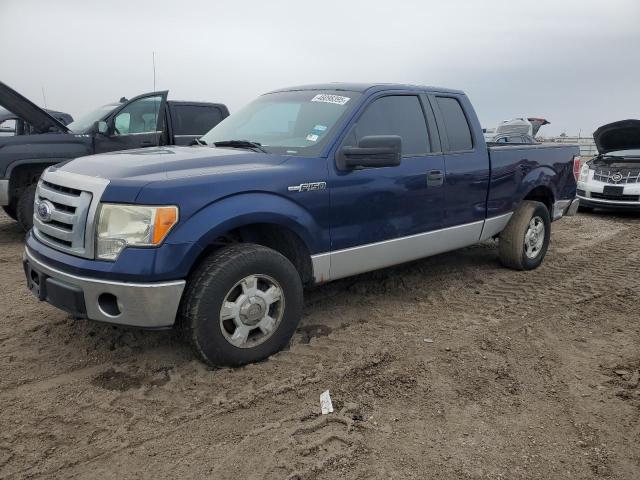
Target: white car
611, 180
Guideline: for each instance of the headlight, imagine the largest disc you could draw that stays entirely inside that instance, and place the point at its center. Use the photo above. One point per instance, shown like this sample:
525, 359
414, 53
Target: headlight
584, 173
120, 226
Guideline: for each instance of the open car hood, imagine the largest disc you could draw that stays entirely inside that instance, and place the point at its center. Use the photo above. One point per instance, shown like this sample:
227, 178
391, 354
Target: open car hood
522, 126
40, 120
536, 123
621, 135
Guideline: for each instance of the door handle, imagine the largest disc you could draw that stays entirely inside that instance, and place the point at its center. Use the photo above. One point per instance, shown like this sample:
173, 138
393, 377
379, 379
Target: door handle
435, 178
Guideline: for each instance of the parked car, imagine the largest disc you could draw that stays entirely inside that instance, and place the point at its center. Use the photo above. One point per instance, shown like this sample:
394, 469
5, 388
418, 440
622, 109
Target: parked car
516, 130
303, 186
522, 125
144, 121
12, 125
611, 180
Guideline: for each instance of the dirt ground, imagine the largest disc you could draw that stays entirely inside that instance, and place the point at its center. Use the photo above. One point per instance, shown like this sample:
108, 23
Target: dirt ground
451, 367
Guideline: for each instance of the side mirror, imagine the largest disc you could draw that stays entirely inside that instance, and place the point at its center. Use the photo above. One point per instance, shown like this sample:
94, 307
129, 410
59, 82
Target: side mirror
374, 151
101, 127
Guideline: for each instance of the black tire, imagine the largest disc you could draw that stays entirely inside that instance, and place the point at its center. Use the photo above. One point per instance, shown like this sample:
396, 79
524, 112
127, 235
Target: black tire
10, 210
512, 239
24, 207
209, 286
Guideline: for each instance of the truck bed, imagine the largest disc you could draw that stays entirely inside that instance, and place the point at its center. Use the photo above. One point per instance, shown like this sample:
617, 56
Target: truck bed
513, 166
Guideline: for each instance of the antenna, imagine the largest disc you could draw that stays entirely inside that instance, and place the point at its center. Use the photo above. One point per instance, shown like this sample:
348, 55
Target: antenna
44, 97
154, 70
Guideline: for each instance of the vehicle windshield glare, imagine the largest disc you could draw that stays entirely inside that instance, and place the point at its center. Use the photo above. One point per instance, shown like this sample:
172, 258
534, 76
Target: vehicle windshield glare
287, 123
624, 153
85, 123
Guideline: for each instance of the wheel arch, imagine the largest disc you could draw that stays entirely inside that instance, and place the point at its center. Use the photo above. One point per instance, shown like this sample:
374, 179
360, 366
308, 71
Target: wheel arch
264, 219
24, 173
539, 185
542, 194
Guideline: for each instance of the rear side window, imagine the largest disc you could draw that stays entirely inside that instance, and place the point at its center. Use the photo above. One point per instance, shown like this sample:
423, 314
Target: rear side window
195, 119
458, 131
394, 115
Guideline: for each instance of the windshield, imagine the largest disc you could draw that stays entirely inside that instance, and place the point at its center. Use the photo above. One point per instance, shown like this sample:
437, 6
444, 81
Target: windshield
84, 123
294, 123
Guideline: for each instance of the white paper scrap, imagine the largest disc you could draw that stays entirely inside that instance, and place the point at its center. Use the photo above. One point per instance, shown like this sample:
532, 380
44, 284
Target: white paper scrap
325, 402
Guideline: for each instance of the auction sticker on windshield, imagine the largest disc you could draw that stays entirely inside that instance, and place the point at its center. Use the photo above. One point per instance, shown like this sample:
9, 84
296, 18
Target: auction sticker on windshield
326, 98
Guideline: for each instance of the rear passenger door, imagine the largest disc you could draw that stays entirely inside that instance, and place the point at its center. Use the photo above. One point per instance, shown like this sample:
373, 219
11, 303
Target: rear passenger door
467, 170
372, 205
190, 121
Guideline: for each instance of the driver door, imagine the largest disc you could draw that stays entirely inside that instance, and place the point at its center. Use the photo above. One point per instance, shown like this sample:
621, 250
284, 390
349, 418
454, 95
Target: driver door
138, 123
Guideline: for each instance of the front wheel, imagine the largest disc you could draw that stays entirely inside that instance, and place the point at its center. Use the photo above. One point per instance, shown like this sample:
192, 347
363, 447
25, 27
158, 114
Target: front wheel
24, 207
525, 240
241, 305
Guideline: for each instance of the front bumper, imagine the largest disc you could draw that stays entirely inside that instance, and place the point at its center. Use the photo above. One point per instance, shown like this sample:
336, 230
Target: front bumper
145, 305
592, 194
608, 204
4, 192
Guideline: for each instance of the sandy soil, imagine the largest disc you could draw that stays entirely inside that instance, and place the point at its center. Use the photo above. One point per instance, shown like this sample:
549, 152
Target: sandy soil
450, 367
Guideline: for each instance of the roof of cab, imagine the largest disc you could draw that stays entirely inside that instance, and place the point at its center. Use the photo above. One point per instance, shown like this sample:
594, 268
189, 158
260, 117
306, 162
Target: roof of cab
364, 87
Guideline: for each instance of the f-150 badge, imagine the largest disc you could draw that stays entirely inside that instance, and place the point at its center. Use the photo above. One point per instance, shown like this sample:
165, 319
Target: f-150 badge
307, 187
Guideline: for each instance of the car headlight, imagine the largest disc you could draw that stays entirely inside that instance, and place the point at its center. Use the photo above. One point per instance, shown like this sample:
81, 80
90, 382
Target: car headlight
120, 226
584, 173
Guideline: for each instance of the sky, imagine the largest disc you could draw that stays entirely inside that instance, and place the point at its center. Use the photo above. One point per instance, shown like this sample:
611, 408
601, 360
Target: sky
576, 63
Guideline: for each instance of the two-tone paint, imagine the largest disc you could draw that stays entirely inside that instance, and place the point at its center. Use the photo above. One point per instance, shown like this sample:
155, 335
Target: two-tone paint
361, 220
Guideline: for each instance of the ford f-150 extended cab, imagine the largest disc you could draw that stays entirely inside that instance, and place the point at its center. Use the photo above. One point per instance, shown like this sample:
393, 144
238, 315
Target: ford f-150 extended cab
303, 186
146, 120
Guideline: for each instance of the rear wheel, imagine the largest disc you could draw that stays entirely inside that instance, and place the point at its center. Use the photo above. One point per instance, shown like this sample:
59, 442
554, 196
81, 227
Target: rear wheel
10, 210
525, 240
24, 207
242, 304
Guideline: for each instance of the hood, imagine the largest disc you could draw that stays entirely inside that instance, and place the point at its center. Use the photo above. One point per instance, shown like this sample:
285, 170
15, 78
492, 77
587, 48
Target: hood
621, 135
536, 123
166, 163
28, 111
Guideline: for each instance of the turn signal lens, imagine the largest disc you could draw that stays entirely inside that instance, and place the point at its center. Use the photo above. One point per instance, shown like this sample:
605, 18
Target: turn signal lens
166, 218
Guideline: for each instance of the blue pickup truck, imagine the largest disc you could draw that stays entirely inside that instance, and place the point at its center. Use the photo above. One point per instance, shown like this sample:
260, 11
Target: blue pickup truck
303, 186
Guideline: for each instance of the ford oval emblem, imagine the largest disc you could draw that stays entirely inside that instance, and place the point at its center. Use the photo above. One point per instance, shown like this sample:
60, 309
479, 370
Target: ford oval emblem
44, 211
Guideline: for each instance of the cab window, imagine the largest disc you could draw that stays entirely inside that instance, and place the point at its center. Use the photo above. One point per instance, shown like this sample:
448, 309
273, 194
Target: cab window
400, 115
139, 116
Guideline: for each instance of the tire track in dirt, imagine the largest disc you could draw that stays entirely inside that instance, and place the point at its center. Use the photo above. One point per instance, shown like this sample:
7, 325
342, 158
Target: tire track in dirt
155, 412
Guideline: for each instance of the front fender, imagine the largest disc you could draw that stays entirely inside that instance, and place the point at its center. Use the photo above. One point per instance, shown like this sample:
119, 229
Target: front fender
235, 211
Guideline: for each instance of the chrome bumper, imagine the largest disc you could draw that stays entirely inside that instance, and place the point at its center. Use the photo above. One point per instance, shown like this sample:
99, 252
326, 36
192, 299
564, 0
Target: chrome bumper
4, 192
145, 305
566, 208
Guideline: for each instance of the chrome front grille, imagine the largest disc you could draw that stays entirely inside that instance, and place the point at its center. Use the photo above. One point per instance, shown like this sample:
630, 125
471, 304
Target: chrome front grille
619, 177
64, 211
60, 215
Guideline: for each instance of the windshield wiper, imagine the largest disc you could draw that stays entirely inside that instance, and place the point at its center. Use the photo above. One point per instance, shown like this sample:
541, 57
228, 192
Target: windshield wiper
198, 141
255, 146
